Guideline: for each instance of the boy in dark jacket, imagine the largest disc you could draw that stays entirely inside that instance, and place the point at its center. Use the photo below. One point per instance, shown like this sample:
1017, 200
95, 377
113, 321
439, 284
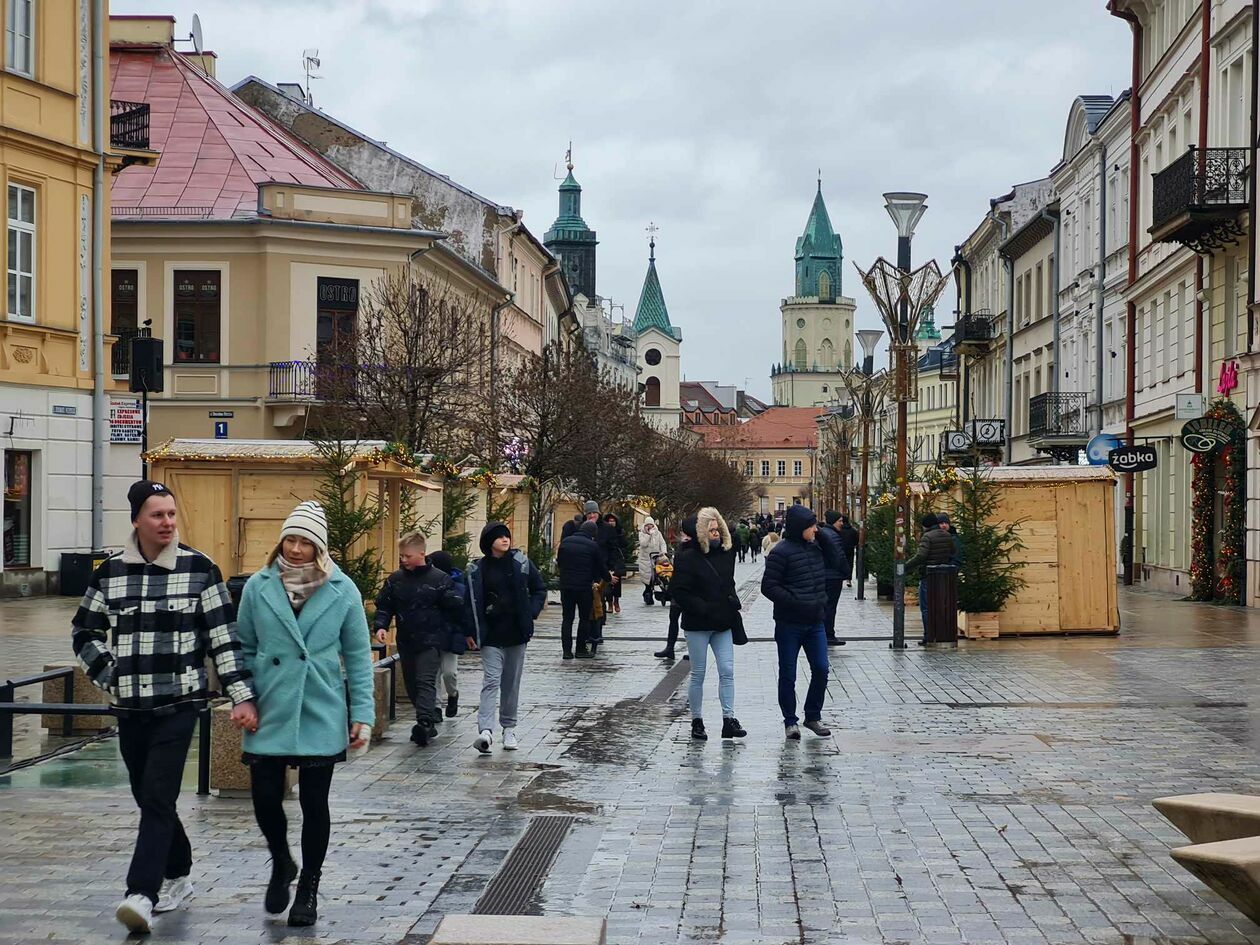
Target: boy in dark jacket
423, 602
581, 563
795, 580
449, 673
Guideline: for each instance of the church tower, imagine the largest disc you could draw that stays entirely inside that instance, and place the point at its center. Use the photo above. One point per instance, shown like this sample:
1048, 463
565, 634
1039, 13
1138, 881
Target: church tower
570, 240
658, 344
817, 321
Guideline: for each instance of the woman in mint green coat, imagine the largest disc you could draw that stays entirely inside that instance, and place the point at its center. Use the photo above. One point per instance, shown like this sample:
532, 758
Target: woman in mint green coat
300, 621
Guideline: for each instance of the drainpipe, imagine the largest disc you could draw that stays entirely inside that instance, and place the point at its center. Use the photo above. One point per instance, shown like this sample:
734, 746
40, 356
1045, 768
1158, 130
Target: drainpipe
964, 288
1205, 72
1053, 217
1008, 266
99, 200
1100, 277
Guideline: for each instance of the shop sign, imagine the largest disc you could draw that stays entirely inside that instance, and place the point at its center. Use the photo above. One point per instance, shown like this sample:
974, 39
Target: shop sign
1228, 380
1190, 406
1133, 459
1205, 434
1100, 448
126, 421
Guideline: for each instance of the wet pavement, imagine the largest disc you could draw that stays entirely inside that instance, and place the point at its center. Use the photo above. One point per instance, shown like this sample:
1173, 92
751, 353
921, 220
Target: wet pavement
999, 793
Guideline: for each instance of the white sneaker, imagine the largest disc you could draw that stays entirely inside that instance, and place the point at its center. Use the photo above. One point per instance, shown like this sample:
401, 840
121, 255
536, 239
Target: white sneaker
135, 912
173, 894
509, 740
483, 741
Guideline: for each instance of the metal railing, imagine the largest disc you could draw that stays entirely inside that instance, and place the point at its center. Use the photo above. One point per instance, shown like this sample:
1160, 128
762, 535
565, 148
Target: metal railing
975, 328
120, 358
1058, 415
1199, 179
129, 125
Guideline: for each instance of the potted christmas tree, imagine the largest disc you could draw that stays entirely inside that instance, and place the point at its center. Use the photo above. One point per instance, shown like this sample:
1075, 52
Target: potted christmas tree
987, 576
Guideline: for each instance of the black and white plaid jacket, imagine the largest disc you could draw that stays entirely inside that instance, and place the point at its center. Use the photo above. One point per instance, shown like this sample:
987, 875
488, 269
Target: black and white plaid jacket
144, 629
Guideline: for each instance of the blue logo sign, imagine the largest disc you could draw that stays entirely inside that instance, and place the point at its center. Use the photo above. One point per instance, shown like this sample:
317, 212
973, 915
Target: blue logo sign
1098, 451
220, 430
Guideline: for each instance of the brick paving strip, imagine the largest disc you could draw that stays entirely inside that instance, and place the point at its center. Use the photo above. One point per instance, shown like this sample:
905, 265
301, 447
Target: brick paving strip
996, 794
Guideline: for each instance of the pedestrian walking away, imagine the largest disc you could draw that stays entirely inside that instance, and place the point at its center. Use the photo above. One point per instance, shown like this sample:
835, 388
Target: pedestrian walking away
704, 587
614, 545
427, 610
581, 565
795, 580
936, 546
301, 619
754, 539
505, 594
828, 539
849, 537
675, 612
459, 637
149, 618
651, 546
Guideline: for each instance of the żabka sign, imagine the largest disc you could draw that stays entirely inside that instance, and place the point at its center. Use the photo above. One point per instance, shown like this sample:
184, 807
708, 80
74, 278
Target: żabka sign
1133, 459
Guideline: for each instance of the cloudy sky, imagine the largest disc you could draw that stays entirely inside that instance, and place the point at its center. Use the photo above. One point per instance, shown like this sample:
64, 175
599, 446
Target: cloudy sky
709, 118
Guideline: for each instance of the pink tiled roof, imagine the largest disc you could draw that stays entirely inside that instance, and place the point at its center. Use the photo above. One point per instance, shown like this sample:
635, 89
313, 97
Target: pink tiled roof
215, 150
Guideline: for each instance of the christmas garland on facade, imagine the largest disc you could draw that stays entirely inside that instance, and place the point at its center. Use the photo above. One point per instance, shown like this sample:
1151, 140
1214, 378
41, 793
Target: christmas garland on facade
1210, 579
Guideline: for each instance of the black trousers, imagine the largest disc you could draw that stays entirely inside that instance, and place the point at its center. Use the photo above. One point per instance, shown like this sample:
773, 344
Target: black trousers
266, 780
154, 748
675, 612
833, 601
580, 602
420, 666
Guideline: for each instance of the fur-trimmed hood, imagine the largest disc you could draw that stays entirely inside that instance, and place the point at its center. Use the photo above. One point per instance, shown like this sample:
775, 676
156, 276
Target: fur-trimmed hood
703, 518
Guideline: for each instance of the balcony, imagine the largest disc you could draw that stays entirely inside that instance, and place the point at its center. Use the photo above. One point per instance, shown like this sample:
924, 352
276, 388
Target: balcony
974, 332
1199, 198
120, 357
1058, 424
310, 381
129, 130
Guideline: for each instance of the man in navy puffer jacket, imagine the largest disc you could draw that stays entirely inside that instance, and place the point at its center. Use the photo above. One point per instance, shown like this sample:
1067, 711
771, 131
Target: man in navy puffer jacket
796, 580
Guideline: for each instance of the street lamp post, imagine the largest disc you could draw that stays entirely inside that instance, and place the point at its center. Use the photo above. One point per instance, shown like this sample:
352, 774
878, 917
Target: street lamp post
866, 391
809, 451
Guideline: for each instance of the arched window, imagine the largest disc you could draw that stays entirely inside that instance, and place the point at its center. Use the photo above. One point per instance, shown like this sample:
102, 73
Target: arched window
848, 355
652, 392
827, 355
802, 355
824, 286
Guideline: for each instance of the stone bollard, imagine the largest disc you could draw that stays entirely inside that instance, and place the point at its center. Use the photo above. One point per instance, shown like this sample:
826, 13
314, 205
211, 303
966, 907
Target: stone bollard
519, 930
228, 776
84, 694
380, 687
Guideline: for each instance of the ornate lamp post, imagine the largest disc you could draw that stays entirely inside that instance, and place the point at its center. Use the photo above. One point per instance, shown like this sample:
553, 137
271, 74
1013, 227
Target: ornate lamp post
866, 393
902, 295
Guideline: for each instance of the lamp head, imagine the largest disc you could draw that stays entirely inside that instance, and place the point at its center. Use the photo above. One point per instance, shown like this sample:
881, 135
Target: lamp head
906, 209
868, 338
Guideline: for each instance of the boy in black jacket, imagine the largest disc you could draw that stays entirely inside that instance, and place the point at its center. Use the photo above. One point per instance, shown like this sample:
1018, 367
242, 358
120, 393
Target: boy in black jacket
426, 606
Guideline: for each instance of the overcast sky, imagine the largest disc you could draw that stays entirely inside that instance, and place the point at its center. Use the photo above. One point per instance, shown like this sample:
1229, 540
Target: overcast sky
709, 118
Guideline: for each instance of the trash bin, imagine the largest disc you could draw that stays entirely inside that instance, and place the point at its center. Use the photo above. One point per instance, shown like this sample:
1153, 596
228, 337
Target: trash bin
941, 582
76, 572
236, 587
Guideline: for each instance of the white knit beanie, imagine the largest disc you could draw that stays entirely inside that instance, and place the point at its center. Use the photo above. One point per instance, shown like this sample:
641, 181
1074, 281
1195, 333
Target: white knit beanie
308, 521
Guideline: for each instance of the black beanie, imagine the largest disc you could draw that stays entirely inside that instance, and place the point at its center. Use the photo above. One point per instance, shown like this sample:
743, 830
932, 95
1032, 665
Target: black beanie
833, 516
492, 531
141, 491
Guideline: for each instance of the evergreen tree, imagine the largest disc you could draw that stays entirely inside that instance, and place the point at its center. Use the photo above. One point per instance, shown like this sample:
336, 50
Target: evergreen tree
988, 577
350, 521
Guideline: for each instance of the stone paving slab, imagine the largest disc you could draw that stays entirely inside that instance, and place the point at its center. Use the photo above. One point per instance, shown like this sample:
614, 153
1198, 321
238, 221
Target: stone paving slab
999, 793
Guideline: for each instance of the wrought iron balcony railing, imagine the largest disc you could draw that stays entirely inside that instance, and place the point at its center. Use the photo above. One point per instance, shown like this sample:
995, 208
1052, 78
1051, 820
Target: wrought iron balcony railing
1196, 199
975, 329
129, 125
120, 357
1058, 415
312, 380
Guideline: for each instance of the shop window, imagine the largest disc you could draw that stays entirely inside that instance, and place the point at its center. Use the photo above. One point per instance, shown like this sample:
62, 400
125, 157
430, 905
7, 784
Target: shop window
198, 310
17, 508
19, 53
21, 250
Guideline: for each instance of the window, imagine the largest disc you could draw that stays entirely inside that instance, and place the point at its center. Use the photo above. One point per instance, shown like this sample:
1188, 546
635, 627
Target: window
824, 286
124, 316
19, 53
827, 355
652, 356
197, 314
765, 467
781, 467
802, 355
17, 508
778, 505
797, 469
748, 467
21, 253
652, 392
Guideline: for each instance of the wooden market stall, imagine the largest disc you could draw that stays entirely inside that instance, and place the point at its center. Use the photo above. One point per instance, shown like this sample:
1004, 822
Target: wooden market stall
1066, 517
234, 495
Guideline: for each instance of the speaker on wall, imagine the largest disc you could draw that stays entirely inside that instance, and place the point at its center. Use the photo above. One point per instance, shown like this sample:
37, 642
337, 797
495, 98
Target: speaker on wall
146, 365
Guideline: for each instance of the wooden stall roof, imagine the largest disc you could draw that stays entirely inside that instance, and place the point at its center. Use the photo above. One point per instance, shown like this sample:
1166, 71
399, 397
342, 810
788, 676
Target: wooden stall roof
1035, 476
295, 452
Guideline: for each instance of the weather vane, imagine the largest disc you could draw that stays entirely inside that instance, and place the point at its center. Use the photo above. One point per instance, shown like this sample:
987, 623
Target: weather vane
568, 158
652, 229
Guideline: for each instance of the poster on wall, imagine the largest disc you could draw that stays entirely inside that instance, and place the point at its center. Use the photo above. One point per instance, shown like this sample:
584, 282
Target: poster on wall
126, 421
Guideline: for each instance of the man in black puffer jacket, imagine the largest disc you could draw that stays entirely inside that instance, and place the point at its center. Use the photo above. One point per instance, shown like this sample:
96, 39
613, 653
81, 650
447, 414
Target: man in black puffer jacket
828, 539
796, 580
581, 564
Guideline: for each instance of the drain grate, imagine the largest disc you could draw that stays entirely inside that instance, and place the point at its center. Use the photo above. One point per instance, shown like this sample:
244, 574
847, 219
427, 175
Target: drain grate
513, 888
669, 683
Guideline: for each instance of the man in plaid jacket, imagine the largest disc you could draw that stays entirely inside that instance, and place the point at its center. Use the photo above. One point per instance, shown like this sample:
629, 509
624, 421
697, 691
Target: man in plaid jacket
151, 616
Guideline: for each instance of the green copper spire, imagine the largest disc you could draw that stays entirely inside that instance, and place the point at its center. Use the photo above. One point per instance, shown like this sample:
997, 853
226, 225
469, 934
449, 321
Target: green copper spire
652, 312
570, 239
927, 327
819, 255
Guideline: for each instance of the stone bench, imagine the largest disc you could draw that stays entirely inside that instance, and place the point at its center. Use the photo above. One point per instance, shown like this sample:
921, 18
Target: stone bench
519, 930
54, 692
1231, 868
1208, 818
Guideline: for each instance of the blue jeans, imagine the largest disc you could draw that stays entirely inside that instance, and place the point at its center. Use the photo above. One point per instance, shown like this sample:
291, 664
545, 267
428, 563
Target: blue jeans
791, 638
698, 643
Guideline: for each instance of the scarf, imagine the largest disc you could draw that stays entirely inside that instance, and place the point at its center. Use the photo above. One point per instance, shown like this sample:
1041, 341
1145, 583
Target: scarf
300, 580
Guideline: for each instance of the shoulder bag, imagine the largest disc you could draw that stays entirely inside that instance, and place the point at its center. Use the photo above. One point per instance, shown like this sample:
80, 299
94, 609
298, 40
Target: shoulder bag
739, 636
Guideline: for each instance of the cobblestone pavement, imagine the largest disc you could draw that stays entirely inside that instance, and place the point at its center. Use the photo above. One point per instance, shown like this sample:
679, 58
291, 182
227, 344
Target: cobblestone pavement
999, 793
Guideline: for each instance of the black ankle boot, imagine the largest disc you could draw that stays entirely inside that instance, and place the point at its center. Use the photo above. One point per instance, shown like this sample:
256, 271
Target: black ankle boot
732, 729
283, 872
665, 654
697, 730
305, 901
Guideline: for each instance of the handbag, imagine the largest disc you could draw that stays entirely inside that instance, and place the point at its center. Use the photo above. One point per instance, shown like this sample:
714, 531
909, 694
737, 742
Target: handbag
739, 636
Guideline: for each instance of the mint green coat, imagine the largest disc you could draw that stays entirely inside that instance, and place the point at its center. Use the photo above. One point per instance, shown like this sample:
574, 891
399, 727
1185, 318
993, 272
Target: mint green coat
296, 660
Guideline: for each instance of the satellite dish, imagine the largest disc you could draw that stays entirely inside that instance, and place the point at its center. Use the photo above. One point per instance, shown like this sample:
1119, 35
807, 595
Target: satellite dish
198, 44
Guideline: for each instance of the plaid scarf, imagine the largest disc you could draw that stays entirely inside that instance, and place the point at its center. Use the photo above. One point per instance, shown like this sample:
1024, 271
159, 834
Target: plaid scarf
300, 580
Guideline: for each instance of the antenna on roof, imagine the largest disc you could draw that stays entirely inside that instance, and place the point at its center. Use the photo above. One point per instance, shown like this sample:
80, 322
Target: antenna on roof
310, 62
198, 45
